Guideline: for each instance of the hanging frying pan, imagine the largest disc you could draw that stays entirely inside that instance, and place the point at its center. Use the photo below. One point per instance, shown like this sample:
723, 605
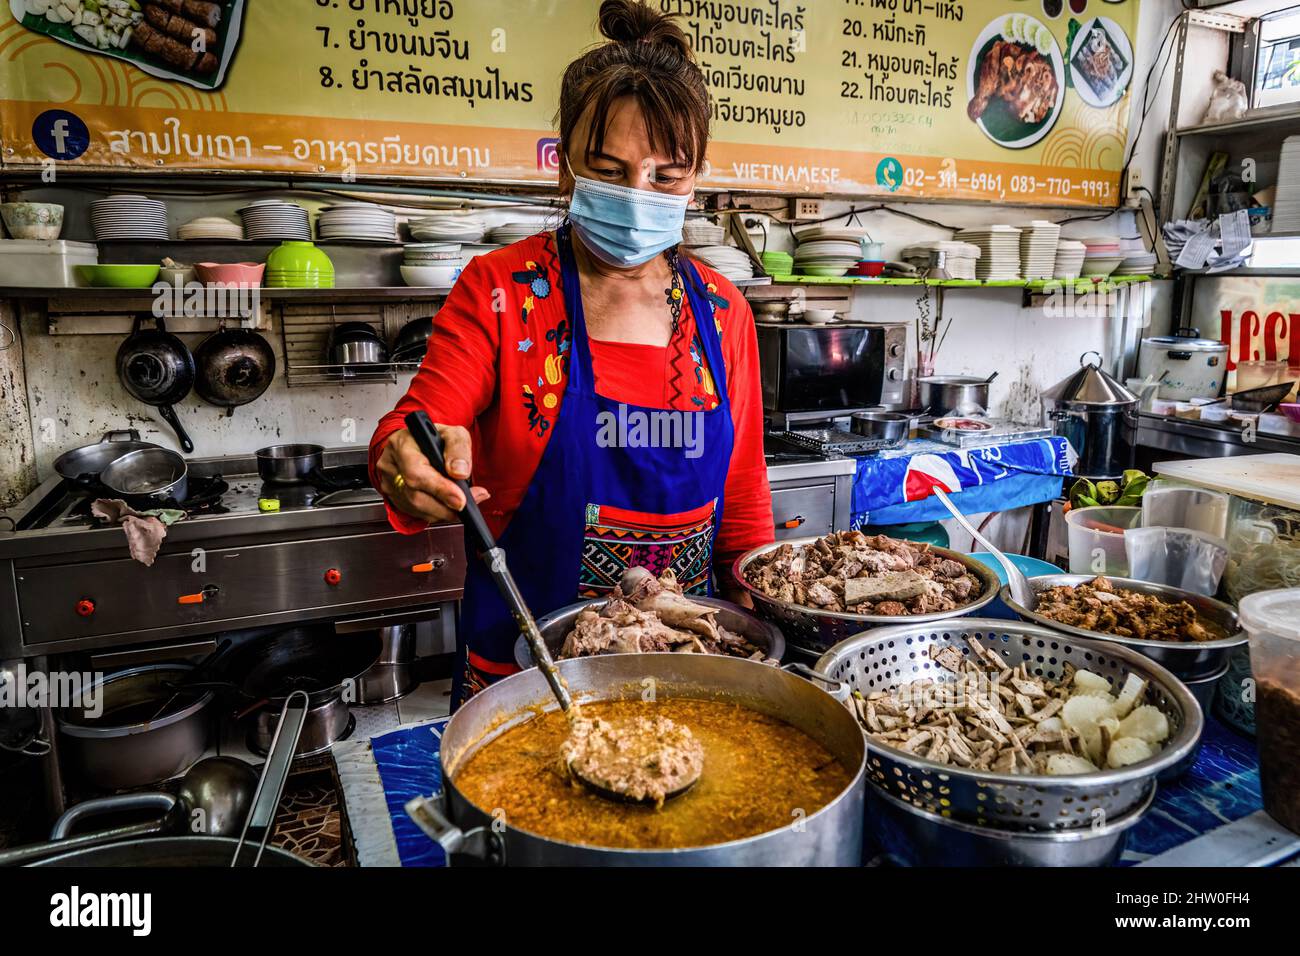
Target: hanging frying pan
157, 368
234, 366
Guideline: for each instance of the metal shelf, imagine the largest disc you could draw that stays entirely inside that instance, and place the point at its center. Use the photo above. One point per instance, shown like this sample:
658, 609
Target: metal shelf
306, 327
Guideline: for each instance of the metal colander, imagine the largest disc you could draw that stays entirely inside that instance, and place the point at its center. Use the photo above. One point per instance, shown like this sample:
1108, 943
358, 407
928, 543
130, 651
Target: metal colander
887, 658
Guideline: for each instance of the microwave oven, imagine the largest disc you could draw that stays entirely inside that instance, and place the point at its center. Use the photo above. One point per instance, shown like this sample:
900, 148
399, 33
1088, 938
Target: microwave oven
845, 365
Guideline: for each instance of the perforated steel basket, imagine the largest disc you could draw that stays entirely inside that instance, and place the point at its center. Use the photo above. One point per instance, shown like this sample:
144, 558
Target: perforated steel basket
888, 658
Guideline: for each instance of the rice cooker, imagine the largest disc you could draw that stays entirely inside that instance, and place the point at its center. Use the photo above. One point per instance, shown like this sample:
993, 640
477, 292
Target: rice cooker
1192, 367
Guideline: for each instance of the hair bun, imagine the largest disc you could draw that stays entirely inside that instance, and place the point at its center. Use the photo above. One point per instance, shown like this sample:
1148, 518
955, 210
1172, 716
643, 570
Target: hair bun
631, 21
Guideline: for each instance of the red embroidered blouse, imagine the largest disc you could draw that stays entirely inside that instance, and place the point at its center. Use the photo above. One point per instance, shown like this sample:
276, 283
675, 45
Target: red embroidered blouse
497, 364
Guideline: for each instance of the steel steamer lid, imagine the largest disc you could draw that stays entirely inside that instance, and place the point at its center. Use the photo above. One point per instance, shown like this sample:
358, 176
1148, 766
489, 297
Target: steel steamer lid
1091, 386
1184, 340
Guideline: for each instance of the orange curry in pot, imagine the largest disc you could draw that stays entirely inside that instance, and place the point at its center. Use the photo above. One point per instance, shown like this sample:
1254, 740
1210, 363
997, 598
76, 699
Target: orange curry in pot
760, 774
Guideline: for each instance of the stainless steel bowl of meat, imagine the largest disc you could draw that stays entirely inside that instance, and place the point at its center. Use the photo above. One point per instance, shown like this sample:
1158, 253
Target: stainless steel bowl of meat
806, 585
1188, 633
646, 615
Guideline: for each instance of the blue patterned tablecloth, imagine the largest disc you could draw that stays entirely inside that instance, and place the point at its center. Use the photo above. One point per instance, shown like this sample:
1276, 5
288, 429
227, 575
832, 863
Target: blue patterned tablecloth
1221, 787
892, 487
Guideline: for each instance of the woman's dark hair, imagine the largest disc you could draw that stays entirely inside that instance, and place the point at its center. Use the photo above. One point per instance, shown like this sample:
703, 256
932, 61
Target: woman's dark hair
650, 60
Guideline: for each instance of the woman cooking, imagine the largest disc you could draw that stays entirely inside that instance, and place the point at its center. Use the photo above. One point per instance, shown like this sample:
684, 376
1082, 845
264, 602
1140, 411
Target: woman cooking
601, 388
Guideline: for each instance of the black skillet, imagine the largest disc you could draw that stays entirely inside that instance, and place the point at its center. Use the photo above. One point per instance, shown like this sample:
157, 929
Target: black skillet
234, 367
157, 368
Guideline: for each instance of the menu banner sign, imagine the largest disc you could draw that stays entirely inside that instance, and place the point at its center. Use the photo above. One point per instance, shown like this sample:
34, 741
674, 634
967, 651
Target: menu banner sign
1258, 317
1017, 101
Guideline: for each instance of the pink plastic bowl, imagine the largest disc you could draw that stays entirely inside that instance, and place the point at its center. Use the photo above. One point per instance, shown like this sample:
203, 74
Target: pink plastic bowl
230, 273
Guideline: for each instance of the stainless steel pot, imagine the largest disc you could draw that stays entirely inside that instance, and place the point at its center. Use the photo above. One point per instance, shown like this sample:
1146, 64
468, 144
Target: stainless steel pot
288, 464
124, 747
830, 837
555, 627
892, 427
148, 478
83, 465
393, 675
815, 630
1186, 365
916, 837
187, 851
1190, 661
962, 394
1098, 417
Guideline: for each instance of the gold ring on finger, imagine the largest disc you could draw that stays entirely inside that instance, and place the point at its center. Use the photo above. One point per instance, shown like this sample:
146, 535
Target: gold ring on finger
399, 481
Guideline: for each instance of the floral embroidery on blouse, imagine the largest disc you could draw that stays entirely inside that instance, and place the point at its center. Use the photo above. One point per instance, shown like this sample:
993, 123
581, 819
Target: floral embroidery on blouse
541, 401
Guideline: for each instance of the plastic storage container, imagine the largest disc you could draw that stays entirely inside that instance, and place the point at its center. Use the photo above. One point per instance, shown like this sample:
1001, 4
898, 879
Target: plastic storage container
1166, 504
1272, 619
39, 264
1180, 557
1096, 539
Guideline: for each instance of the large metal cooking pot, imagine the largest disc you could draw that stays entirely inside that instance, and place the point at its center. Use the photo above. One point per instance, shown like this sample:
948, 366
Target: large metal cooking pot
83, 465
1098, 417
830, 837
555, 627
959, 394
148, 478
816, 630
1189, 661
126, 746
1186, 365
186, 851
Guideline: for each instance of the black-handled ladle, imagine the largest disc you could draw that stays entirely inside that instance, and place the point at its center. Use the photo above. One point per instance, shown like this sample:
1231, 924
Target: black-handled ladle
430, 443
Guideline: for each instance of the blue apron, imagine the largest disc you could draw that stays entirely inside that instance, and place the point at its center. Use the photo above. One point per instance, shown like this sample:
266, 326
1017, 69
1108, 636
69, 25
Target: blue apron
618, 486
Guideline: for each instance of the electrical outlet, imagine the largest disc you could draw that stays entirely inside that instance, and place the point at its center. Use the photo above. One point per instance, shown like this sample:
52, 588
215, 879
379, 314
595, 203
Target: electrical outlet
805, 208
1133, 187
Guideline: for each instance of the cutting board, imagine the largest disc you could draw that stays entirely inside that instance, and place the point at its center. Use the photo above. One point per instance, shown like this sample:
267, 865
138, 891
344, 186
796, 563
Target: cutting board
1274, 479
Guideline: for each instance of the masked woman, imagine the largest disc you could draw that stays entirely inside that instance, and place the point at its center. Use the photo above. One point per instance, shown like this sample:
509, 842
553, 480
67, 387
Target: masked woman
601, 387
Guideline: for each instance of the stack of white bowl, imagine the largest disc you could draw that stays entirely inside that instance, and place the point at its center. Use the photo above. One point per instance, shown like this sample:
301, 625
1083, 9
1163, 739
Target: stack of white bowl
702, 232
826, 257
431, 264
128, 217
1103, 256
210, 227
1069, 259
1286, 202
1038, 249
999, 251
275, 219
1136, 264
515, 231
356, 220
448, 227
730, 261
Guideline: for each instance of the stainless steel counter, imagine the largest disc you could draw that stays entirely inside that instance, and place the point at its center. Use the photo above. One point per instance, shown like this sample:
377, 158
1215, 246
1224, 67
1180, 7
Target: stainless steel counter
1201, 439
812, 496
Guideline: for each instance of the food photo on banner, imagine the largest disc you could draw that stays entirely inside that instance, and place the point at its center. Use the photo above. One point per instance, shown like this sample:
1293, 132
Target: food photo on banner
446, 435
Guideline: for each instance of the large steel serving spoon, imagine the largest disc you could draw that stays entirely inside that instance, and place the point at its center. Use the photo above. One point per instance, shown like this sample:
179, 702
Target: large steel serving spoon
1020, 588
494, 557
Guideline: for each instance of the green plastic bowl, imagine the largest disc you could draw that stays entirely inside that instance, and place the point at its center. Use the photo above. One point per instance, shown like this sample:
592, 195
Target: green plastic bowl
118, 277
296, 256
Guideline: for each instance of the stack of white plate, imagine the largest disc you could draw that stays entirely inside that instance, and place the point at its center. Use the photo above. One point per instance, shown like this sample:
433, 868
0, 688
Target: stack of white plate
1103, 256
960, 258
832, 233
128, 217
1038, 249
356, 220
730, 261
826, 257
210, 227
275, 219
448, 227
1286, 202
515, 231
431, 263
999, 251
1136, 264
1069, 259
701, 232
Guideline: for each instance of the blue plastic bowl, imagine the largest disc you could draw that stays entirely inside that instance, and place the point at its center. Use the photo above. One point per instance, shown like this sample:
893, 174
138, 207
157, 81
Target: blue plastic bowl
1029, 567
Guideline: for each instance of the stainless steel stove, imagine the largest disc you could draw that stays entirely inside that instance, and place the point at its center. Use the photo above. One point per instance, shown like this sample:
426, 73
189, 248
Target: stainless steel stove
67, 582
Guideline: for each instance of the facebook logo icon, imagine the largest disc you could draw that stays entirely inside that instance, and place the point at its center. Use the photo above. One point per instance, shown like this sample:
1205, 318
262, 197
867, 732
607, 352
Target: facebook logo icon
60, 134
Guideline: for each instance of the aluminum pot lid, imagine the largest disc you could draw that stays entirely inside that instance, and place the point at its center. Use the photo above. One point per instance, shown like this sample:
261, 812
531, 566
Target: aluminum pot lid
1091, 385
1185, 340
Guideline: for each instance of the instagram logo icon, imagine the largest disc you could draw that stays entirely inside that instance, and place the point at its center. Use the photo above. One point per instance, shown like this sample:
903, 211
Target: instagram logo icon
548, 155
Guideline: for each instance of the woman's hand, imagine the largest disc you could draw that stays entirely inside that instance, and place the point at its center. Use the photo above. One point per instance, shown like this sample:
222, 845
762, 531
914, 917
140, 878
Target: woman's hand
414, 486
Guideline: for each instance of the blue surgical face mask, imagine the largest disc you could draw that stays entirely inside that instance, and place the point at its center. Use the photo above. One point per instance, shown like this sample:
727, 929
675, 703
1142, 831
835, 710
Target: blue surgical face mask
624, 226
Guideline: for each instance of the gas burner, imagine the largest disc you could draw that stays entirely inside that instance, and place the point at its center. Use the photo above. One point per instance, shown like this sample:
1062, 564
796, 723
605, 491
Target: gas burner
833, 441
205, 493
